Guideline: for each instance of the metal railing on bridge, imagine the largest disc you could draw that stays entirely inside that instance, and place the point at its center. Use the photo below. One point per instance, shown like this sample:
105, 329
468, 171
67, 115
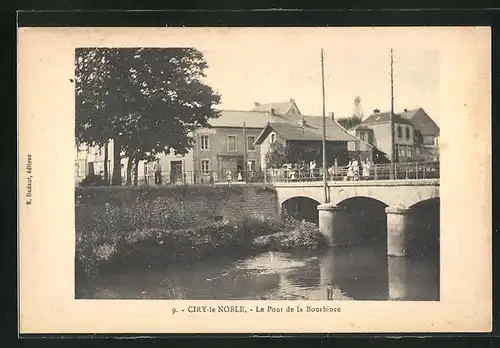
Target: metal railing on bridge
395, 171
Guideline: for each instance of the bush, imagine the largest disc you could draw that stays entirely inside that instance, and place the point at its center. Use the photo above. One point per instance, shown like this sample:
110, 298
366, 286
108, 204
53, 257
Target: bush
294, 234
302, 235
158, 232
256, 225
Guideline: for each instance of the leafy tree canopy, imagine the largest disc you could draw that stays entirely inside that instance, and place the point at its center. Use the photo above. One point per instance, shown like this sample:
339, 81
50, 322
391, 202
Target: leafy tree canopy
151, 99
276, 156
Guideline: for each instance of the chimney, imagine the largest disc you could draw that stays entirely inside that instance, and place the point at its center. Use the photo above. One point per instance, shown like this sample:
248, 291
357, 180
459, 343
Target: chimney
257, 104
406, 110
376, 111
332, 115
272, 112
292, 100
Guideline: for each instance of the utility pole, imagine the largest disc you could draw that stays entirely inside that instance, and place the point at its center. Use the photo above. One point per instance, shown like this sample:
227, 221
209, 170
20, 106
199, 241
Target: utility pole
393, 150
245, 156
324, 128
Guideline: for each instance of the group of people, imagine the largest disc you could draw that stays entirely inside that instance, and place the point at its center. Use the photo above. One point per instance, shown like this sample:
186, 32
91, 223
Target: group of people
358, 170
355, 170
300, 170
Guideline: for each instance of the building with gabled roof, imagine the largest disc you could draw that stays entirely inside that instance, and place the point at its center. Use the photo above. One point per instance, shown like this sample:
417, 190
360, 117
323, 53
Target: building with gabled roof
422, 122
409, 140
303, 136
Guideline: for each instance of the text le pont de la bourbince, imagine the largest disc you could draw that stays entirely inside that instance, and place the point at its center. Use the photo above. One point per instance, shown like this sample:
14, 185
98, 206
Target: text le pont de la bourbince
260, 309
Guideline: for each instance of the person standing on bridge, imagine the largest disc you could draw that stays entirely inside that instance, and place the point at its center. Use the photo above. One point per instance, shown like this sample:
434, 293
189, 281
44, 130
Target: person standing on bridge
366, 169
350, 171
302, 169
355, 168
330, 172
312, 166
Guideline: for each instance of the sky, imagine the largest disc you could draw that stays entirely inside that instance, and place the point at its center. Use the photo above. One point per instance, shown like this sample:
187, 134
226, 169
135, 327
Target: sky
280, 68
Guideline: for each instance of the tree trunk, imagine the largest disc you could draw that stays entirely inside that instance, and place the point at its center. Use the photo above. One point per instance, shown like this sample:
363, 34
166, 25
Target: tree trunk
117, 170
130, 161
106, 169
136, 171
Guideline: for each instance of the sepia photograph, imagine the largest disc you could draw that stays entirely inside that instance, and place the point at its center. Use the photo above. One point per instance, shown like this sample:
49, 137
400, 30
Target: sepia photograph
284, 180
187, 188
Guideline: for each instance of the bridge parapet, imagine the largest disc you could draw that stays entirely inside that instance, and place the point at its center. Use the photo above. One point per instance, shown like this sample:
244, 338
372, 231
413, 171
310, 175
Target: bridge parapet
389, 192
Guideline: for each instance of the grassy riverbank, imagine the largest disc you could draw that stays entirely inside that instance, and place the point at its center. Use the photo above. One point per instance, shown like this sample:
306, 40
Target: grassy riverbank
159, 232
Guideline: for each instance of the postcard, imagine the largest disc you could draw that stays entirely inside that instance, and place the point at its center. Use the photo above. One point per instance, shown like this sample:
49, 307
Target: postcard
254, 180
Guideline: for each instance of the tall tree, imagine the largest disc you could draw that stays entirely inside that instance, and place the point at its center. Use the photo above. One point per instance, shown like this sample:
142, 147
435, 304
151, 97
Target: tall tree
349, 122
149, 101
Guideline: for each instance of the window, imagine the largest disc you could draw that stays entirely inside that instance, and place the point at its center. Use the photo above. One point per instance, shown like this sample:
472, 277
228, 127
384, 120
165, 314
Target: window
204, 145
400, 132
428, 140
250, 145
409, 152
351, 146
205, 165
401, 152
363, 136
231, 143
407, 133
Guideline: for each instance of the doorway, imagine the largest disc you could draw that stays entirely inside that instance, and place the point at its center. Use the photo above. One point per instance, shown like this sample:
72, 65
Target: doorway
176, 176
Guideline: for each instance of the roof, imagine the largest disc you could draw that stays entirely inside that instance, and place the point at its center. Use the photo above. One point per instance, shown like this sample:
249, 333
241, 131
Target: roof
279, 107
382, 117
421, 121
334, 131
288, 131
236, 118
313, 130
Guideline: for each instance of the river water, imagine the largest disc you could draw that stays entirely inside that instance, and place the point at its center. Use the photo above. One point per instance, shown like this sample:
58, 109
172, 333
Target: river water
361, 272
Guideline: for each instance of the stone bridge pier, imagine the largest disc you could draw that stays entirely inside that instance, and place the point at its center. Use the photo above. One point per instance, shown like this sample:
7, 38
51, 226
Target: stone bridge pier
398, 226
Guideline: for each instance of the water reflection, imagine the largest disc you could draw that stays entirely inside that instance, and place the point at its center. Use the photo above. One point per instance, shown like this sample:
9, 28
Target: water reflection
361, 272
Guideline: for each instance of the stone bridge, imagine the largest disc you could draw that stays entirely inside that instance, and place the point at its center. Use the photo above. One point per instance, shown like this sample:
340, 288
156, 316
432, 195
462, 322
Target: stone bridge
350, 211
390, 192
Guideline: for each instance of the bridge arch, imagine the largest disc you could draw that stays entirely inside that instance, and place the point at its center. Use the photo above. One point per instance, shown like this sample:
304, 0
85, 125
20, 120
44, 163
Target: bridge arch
425, 201
301, 208
349, 200
424, 230
364, 220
